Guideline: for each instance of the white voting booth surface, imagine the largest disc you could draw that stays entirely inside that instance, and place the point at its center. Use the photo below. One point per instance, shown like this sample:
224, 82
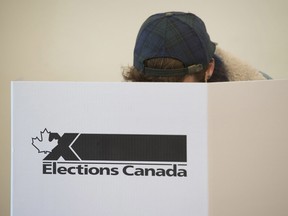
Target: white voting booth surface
123, 148
109, 149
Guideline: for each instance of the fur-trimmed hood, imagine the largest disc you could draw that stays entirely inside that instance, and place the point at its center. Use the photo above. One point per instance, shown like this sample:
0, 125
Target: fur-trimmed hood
236, 69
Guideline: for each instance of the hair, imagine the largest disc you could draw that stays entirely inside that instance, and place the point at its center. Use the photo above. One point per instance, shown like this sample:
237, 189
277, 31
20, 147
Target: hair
220, 71
134, 75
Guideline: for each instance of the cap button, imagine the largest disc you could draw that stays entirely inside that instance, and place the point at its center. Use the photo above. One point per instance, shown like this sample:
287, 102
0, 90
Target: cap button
169, 14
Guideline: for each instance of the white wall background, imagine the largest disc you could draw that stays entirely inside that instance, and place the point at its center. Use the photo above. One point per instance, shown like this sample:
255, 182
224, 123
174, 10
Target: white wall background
89, 40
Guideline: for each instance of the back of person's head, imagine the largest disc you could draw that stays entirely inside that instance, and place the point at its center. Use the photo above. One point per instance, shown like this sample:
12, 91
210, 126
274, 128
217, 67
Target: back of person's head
170, 46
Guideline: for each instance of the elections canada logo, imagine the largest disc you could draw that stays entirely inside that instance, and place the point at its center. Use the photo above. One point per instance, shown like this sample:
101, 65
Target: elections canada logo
112, 154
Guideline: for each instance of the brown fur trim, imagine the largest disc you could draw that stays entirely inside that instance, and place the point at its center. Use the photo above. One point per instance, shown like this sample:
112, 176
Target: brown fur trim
237, 70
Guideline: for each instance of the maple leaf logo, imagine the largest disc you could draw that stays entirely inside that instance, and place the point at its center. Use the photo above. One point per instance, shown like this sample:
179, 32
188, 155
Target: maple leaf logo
42, 144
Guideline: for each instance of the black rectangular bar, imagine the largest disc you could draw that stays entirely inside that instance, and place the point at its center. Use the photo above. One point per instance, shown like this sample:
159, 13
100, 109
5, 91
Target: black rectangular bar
122, 147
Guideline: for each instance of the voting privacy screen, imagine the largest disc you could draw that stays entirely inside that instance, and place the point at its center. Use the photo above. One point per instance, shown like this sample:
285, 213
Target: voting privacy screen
109, 149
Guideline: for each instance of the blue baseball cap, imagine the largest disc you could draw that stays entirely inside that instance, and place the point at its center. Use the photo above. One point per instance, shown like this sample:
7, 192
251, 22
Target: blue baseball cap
177, 35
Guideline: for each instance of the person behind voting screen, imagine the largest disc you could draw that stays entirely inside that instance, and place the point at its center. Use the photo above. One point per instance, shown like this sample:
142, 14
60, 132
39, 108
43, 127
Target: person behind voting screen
175, 47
